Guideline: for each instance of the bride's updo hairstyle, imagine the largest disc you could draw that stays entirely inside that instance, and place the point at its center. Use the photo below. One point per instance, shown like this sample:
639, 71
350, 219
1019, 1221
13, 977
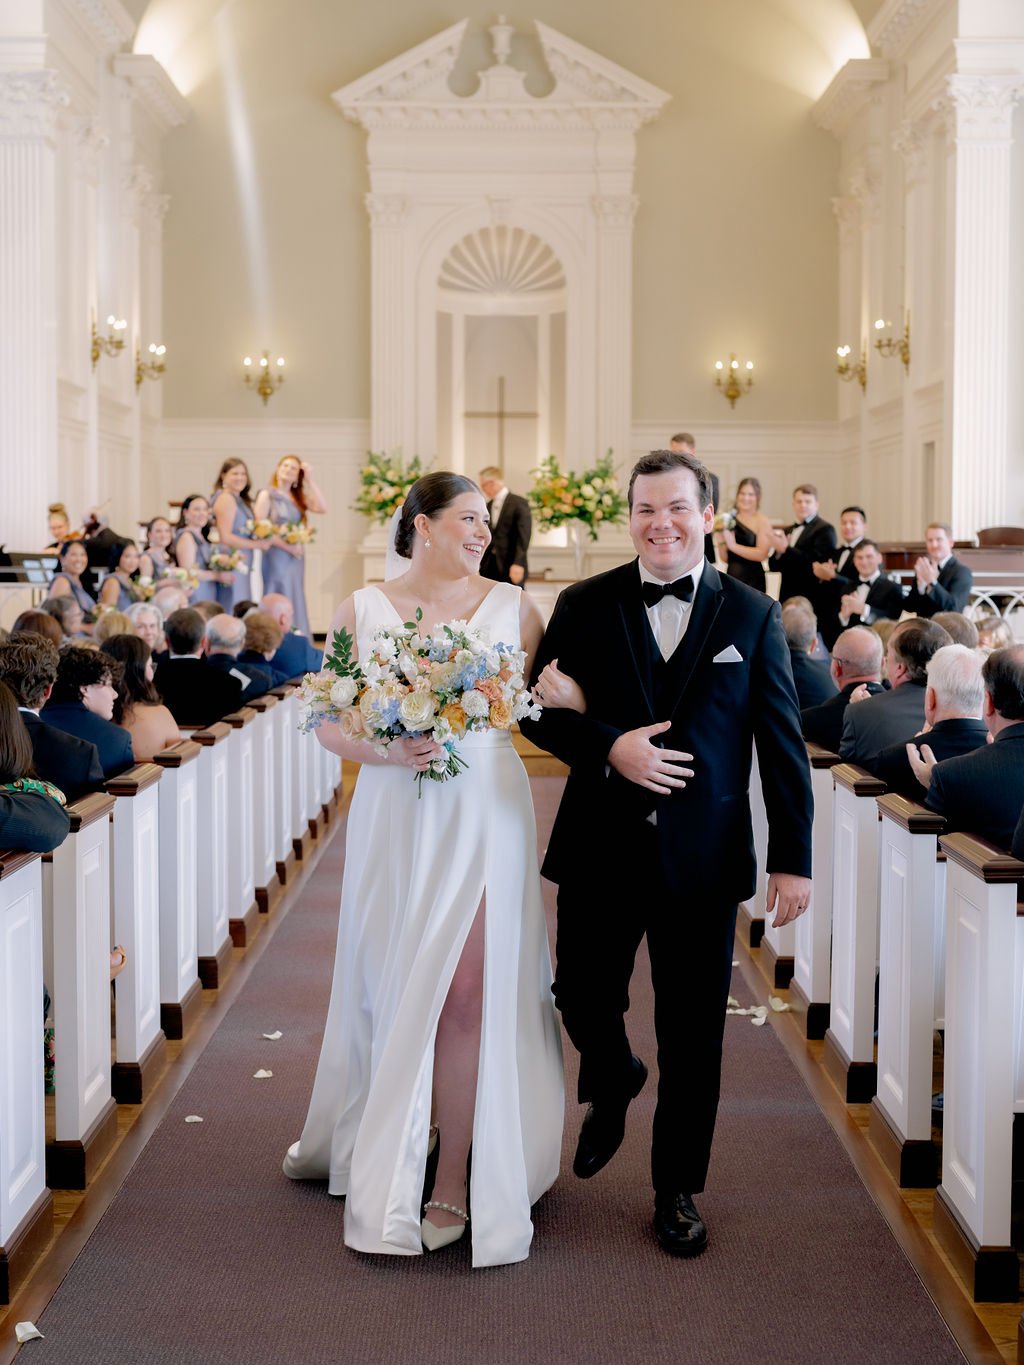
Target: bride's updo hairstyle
429, 495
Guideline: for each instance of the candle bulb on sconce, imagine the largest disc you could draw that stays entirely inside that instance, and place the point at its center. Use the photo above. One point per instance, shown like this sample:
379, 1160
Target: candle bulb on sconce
152, 368
888, 346
728, 382
111, 344
266, 381
847, 371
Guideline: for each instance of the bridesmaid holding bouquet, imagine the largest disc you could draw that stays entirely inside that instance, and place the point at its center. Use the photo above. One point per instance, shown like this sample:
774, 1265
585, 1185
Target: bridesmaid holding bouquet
286, 502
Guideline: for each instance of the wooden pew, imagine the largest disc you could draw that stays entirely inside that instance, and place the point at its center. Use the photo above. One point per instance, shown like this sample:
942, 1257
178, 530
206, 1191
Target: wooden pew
243, 916
26, 1205
213, 935
141, 1045
912, 907
983, 1079
267, 885
180, 987
810, 989
77, 896
849, 1052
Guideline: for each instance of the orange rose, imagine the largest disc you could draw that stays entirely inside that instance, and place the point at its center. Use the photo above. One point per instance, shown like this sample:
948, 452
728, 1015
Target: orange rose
455, 716
490, 689
501, 715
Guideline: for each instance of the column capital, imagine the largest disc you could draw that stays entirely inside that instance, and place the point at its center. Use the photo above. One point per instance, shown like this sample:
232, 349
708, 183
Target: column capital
980, 108
615, 210
91, 138
864, 189
30, 104
387, 210
911, 141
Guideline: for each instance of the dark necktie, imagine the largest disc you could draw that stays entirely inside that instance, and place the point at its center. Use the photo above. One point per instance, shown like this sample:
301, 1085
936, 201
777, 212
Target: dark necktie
681, 588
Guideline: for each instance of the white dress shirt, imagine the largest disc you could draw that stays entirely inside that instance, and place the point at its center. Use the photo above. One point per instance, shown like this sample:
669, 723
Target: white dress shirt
670, 617
497, 503
862, 589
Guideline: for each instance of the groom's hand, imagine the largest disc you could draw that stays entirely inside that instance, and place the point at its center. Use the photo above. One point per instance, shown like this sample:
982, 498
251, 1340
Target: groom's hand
638, 760
788, 895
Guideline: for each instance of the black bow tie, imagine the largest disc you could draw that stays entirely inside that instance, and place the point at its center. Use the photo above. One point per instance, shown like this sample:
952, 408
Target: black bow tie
867, 580
654, 592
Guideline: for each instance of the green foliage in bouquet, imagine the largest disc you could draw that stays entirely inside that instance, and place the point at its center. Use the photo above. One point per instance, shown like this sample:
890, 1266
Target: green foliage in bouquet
592, 497
384, 482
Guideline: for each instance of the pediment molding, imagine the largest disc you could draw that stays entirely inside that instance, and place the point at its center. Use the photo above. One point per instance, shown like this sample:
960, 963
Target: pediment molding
412, 91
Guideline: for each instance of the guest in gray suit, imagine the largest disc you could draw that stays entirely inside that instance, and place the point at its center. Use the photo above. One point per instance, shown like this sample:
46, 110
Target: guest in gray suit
872, 724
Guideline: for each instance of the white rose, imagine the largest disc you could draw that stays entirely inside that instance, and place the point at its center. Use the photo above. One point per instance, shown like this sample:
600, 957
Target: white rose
343, 693
384, 647
374, 672
408, 667
417, 711
475, 704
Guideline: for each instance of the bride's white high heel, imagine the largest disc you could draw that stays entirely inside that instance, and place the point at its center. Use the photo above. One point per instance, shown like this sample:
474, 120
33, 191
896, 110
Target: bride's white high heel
434, 1238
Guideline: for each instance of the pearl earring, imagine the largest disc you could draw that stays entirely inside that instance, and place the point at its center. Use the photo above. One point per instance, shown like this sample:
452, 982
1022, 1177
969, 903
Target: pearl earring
427, 542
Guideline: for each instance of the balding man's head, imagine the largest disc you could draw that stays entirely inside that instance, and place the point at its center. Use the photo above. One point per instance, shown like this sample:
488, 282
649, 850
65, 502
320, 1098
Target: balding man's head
225, 635
856, 657
278, 606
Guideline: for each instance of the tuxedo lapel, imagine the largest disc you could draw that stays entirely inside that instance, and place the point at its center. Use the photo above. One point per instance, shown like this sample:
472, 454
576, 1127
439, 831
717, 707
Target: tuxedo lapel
637, 630
707, 603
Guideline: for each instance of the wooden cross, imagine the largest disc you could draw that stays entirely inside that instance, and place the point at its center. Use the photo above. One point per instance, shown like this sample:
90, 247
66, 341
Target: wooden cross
502, 416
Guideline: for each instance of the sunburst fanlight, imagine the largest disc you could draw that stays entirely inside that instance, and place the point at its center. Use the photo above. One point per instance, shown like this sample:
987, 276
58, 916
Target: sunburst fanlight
502, 260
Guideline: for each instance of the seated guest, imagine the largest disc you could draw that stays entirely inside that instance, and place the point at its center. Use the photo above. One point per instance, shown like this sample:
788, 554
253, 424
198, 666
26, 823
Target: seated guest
82, 704
207, 610
982, 792
994, 633
67, 581
263, 638
243, 608
872, 724
295, 654
812, 678
820, 650
138, 708
225, 639
941, 582
953, 701
169, 598
32, 814
1017, 845
28, 665
809, 540
958, 628
872, 594
120, 587
856, 659
68, 615
147, 624
111, 623
39, 623
193, 692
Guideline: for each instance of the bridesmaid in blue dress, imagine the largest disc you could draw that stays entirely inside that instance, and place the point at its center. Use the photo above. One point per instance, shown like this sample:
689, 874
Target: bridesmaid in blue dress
192, 550
119, 589
157, 556
290, 495
232, 514
67, 582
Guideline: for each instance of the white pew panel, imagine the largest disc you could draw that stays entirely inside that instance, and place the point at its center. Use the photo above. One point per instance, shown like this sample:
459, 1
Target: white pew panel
267, 886
180, 988
243, 916
286, 736
26, 1205
810, 989
213, 936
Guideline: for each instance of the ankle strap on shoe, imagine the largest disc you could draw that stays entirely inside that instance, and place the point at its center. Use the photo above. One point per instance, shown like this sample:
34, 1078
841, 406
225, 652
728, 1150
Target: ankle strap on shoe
446, 1208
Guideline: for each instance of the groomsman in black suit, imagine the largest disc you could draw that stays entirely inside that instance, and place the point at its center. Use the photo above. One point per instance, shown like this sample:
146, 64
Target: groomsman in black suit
511, 527
697, 672
836, 576
683, 441
983, 791
809, 540
872, 595
941, 582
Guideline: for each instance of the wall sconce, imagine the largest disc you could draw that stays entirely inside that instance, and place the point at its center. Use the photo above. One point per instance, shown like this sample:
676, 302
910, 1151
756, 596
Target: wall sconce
846, 371
268, 381
728, 382
149, 369
889, 345
111, 344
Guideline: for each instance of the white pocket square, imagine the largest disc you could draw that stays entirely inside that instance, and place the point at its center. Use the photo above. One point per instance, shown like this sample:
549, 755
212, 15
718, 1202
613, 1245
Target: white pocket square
729, 655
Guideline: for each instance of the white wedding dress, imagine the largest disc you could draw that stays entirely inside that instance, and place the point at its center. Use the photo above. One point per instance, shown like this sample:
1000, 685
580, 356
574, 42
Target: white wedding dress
416, 870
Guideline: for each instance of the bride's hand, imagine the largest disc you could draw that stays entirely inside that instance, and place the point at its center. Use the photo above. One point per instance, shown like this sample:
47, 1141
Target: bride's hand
555, 690
414, 753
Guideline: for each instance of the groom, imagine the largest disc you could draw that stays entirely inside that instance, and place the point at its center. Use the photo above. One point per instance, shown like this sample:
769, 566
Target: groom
682, 670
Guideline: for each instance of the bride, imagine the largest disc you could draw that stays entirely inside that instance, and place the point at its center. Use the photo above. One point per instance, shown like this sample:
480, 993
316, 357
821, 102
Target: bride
441, 1028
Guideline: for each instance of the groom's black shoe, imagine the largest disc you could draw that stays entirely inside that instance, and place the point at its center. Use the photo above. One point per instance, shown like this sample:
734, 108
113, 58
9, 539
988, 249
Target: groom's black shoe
678, 1226
604, 1126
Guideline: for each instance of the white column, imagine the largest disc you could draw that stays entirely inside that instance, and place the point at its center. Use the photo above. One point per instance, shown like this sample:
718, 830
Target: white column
614, 334
981, 125
390, 325
29, 103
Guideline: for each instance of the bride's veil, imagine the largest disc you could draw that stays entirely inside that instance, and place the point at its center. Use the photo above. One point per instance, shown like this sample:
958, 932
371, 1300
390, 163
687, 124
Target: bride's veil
394, 564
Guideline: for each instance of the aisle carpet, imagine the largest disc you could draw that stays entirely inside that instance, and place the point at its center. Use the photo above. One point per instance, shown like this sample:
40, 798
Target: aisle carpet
209, 1256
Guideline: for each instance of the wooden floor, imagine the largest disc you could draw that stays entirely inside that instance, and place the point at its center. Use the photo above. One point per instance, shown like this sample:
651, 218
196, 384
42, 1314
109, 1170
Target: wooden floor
986, 1331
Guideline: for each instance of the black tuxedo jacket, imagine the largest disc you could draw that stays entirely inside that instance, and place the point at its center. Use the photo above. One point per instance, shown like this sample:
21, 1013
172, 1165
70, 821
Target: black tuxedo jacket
600, 634
510, 540
195, 693
816, 544
982, 792
812, 679
885, 598
258, 680
70, 763
709, 540
113, 744
946, 738
823, 724
950, 593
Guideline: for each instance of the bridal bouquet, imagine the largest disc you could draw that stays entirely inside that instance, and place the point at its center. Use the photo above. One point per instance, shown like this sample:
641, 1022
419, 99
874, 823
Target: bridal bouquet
226, 560
413, 684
